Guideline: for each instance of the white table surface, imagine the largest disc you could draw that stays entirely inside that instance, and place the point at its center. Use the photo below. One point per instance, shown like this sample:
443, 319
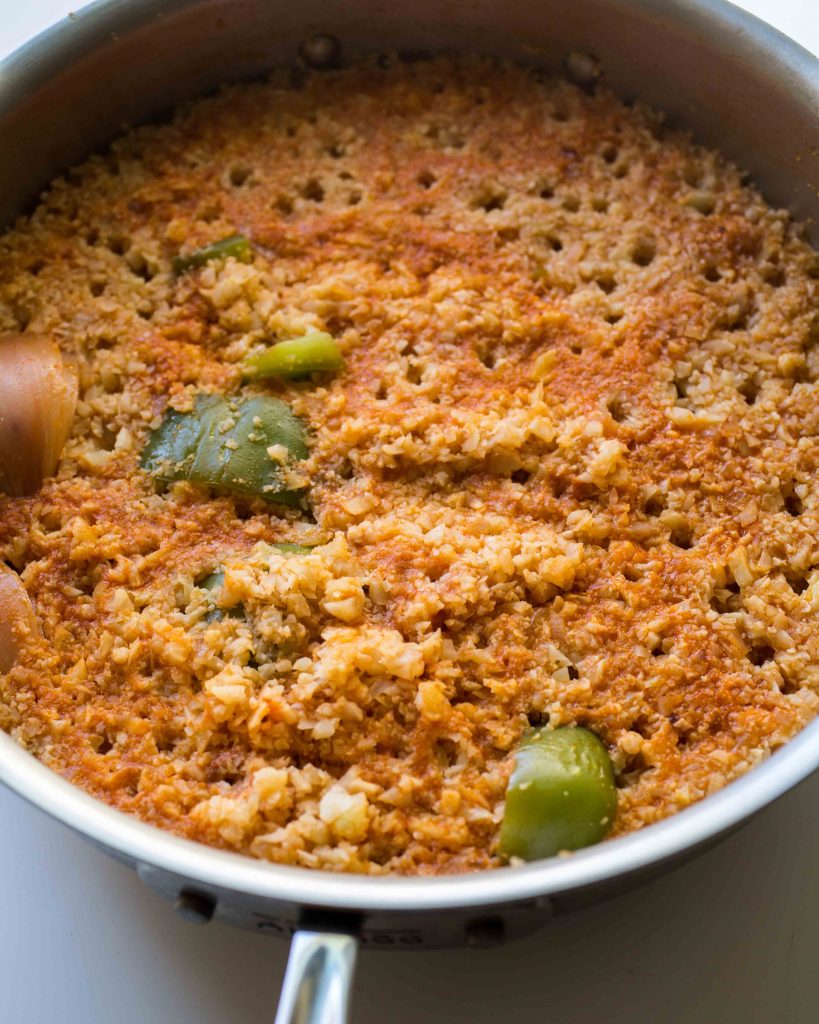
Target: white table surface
731, 938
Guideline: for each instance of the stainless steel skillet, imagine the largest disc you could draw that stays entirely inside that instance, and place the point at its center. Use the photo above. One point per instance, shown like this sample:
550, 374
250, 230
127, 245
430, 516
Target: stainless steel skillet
737, 83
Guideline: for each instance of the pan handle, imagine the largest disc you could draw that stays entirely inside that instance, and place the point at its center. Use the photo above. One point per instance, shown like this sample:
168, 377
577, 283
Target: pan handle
317, 982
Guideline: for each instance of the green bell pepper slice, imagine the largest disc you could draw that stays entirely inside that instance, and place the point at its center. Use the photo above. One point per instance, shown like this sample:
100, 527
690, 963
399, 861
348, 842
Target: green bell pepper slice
316, 352
561, 795
237, 246
223, 443
213, 583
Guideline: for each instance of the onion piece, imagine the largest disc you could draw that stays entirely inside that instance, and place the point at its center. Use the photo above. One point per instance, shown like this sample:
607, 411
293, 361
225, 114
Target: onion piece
38, 397
17, 619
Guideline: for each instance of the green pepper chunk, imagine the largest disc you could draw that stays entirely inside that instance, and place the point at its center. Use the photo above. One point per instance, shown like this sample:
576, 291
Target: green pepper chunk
213, 583
561, 795
294, 549
237, 246
223, 443
316, 352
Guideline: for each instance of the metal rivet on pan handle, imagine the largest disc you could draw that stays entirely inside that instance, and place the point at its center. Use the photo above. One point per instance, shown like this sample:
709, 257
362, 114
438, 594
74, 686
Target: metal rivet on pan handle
195, 906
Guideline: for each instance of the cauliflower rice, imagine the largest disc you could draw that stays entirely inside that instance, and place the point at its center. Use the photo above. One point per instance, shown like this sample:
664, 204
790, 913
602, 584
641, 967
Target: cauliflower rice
567, 474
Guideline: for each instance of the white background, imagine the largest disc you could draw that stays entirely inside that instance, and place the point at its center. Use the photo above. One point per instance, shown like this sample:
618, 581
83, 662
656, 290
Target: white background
732, 938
